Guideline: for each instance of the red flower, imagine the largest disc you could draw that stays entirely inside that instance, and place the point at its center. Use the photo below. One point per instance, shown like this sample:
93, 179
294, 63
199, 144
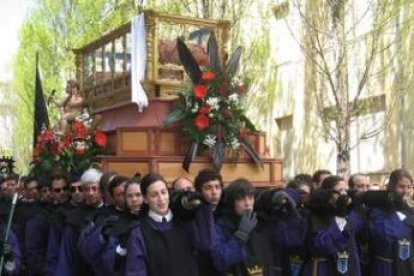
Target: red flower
65, 142
208, 76
201, 121
36, 151
100, 139
200, 91
80, 130
204, 109
45, 136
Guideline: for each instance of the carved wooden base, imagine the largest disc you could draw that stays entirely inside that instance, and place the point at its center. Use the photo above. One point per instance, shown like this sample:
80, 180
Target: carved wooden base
171, 167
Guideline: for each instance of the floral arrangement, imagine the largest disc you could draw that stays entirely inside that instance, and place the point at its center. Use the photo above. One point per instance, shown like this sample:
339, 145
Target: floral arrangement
70, 152
210, 108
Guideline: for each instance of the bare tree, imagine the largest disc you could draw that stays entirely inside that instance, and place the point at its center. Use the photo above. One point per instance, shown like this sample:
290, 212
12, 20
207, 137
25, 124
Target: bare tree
332, 40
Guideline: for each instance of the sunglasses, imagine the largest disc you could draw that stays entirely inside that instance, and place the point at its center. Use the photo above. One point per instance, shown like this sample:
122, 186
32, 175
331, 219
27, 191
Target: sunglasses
76, 188
59, 190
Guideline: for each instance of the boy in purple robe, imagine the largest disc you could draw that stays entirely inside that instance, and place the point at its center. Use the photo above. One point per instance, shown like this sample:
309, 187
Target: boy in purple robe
331, 235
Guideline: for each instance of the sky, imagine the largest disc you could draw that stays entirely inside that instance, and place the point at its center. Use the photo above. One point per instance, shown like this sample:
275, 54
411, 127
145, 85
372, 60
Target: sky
12, 14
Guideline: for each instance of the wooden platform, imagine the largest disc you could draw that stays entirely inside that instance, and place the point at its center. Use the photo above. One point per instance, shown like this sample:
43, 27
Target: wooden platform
138, 142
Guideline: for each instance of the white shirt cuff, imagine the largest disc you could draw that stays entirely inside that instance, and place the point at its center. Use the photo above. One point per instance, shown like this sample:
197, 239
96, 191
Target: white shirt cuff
401, 216
341, 222
121, 251
10, 266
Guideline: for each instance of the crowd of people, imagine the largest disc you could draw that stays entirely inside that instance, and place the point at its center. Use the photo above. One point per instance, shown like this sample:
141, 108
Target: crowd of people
103, 223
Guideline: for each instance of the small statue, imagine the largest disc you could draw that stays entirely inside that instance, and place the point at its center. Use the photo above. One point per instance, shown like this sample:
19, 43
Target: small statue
71, 106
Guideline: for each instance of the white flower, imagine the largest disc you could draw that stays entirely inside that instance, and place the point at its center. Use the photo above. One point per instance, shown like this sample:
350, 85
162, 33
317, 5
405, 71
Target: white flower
209, 140
213, 102
195, 108
84, 116
234, 143
234, 98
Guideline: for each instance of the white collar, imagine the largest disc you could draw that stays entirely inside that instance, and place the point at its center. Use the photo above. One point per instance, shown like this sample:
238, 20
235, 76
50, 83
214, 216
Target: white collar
158, 218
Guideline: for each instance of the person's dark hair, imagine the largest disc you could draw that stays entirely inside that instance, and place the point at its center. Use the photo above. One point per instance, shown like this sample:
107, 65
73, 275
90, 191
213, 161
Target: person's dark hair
105, 179
2, 179
27, 180
304, 178
351, 180
131, 181
397, 175
331, 181
12, 176
317, 175
237, 189
148, 179
115, 182
58, 177
74, 178
206, 175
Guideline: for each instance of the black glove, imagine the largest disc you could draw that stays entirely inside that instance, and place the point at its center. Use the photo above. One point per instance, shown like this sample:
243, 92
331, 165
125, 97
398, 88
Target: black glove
184, 204
321, 202
279, 199
247, 223
342, 204
191, 200
123, 240
108, 226
381, 199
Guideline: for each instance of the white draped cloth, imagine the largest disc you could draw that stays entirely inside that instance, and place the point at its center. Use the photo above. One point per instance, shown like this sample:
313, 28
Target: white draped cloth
138, 61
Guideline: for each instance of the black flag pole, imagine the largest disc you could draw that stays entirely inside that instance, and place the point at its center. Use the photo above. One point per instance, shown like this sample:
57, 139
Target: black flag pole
41, 117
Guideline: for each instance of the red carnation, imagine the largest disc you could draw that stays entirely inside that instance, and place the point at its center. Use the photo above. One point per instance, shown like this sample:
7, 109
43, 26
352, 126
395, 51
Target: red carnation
208, 76
201, 121
200, 91
204, 109
80, 130
100, 139
36, 152
45, 136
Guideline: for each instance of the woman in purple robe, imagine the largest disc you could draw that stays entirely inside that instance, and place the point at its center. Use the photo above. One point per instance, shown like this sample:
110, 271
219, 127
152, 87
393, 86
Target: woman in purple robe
160, 245
392, 229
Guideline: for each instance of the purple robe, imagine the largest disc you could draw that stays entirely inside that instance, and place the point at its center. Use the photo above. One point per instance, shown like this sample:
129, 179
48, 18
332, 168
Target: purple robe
387, 229
200, 232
